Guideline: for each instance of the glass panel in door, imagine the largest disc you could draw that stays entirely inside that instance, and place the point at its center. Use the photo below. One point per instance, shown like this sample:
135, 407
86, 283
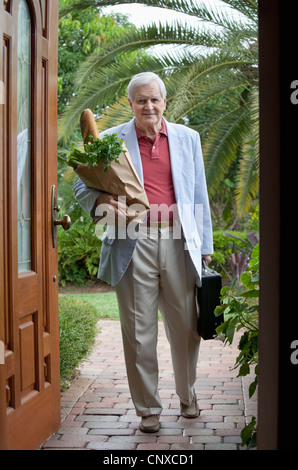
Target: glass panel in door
24, 138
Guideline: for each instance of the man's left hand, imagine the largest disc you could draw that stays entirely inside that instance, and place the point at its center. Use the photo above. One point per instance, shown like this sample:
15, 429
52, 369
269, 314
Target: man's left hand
207, 259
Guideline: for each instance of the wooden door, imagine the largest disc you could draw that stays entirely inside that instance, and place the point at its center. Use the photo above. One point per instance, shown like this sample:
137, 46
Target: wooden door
29, 338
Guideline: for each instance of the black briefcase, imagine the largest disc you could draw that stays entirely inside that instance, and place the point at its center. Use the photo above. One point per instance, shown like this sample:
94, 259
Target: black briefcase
208, 297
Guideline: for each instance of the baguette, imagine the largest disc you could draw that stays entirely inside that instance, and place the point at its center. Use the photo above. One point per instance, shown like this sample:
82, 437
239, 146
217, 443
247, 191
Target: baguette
88, 125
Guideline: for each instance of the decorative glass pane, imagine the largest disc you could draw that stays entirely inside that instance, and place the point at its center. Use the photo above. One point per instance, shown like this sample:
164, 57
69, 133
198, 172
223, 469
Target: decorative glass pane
24, 138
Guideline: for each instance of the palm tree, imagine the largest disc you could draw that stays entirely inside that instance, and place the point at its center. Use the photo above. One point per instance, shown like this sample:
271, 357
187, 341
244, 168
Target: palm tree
211, 77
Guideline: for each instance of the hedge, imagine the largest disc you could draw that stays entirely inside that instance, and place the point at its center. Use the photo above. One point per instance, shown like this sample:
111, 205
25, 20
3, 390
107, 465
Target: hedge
78, 329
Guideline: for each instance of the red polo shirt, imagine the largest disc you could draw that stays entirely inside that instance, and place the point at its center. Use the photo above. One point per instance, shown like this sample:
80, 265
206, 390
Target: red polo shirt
158, 182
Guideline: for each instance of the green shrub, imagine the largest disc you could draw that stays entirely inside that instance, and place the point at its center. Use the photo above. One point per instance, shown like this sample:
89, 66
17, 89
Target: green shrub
240, 307
223, 249
78, 329
78, 253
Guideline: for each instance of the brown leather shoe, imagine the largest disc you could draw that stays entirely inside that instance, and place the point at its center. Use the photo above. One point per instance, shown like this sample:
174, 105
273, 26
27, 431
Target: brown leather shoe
190, 411
149, 423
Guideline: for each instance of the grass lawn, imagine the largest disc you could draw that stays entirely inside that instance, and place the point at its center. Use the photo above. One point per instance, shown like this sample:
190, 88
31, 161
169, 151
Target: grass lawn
105, 303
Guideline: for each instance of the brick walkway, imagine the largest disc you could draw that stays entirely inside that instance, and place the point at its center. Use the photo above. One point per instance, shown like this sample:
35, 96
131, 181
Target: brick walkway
97, 412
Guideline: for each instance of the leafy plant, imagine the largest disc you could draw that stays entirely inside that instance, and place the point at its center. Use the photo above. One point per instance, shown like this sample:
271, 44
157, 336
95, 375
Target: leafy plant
78, 252
97, 151
240, 308
232, 251
240, 256
78, 329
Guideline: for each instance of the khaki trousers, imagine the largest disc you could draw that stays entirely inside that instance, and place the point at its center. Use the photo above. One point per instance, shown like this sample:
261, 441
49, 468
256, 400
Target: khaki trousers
160, 276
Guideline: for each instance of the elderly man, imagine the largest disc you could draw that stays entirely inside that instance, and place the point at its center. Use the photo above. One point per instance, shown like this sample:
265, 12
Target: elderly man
159, 268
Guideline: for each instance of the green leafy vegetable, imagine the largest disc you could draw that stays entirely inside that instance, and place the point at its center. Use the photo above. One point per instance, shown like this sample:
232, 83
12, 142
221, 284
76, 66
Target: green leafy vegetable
97, 151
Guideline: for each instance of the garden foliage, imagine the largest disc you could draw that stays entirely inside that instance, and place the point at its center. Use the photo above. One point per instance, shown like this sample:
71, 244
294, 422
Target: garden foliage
78, 329
240, 307
78, 253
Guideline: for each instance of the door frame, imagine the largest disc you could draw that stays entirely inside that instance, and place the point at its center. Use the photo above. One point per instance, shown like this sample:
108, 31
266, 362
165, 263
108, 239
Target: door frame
278, 325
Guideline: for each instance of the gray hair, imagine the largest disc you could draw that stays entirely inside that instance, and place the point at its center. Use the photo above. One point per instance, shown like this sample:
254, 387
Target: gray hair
145, 78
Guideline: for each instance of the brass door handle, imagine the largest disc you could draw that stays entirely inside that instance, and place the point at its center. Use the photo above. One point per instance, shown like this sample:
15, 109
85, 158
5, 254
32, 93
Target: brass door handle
65, 222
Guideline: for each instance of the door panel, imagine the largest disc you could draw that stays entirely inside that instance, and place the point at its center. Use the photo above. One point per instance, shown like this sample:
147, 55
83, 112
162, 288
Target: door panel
30, 377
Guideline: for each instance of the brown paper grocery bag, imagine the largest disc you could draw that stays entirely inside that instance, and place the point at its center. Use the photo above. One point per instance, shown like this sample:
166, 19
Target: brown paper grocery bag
121, 179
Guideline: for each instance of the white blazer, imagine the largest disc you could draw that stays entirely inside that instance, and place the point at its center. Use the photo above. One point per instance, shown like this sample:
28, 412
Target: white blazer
191, 196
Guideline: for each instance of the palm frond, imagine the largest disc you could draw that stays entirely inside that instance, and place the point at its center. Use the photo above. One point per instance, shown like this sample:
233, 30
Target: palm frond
117, 113
199, 9
221, 146
248, 179
146, 37
197, 88
249, 8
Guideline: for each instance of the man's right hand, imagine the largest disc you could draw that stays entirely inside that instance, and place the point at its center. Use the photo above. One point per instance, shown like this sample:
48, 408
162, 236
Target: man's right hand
114, 208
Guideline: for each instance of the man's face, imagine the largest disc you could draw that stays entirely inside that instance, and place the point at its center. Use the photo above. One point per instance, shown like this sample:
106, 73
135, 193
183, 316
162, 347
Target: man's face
148, 107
